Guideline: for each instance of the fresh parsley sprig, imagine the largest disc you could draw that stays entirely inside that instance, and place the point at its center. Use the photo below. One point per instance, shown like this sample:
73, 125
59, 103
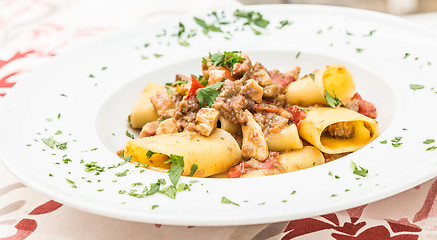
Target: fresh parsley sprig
209, 94
332, 101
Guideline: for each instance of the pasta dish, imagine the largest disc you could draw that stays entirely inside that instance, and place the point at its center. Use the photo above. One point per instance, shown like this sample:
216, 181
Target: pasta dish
240, 119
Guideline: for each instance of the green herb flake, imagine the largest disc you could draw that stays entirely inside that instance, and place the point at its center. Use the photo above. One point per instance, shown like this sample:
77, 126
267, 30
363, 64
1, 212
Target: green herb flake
182, 187
294, 192
157, 55
333, 195
154, 206
71, 182
170, 191
383, 142
431, 148
91, 76
122, 174
193, 170
359, 50
416, 86
358, 170
100, 190
332, 101
176, 168
284, 23
128, 134
313, 77
50, 175
406, 55
209, 94
428, 141
297, 55
58, 132
104, 68
227, 201
370, 33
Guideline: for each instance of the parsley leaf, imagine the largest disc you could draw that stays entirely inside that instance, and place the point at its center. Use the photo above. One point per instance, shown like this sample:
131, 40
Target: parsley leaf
313, 77
227, 59
428, 141
227, 201
176, 169
209, 94
129, 134
360, 171
284, 23
149, 154
332, 101
170, 191
207, 27
416, 86
431, 148
193, 170
253, 18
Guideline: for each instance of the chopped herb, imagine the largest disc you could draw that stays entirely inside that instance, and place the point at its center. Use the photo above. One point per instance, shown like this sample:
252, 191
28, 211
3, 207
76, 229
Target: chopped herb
294, 192
59, 115
157, 55
154, 187
431, 148
383, 142
359, 50
100, 190
194, 168
176, 169
428, 141
284, 23
253, 18
297, 55
144, 165
358, 170
347, 190
91, 76
66, 160
28, 145
129, 134
170, 191
370, 33
227, 59
144, 57
63, 95
333, 195
104, 68
169, 90
71, 182
50, 175
406, 55
209, 94
136, 184
52, 143
349, 33
263, 203
146, 44
330, 173
154, 206
313, 77
284, 201
122, 174
94, 149
416, 86
58, 132
227, 201
48, 119
332, 101
319, 31
89, 167
182, 187
142, 170
337, 177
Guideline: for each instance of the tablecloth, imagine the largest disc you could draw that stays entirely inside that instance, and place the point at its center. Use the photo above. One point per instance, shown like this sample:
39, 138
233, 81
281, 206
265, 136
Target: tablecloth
34, 31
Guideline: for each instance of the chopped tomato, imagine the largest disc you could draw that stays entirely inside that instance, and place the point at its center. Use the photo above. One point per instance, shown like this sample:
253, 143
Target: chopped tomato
364, 107
298, 114
195, 84
247, 166
282, 80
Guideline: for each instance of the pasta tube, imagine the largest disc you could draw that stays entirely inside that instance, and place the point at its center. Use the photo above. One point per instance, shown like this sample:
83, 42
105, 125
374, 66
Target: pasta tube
310, 89
212, 155
286, 139
306, 157
144, 111
337, 130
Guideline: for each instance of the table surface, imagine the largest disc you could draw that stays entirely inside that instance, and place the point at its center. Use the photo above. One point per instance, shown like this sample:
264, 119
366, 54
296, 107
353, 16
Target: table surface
32, 32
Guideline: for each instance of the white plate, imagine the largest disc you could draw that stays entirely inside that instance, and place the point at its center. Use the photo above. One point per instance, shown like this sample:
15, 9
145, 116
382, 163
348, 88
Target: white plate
93, 115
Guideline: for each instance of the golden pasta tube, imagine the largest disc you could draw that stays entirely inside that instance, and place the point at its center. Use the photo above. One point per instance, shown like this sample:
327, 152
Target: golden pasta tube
337, 130
144, 111
306, 157
212, 155
229, 126
310, 89
287, 139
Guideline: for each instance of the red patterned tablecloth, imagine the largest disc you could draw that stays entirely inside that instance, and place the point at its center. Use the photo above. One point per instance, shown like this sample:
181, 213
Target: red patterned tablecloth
32, 32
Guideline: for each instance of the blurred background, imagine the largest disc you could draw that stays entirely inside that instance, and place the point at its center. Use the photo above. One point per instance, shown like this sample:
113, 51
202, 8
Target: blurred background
398, 7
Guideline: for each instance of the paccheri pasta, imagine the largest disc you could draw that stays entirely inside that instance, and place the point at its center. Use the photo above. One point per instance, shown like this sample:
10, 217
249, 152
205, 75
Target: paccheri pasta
240, 119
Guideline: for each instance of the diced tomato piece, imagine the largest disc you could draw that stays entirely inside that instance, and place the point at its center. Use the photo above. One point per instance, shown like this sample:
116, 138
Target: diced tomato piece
298, 114
195, 84
237, 170
282, 81
364, 107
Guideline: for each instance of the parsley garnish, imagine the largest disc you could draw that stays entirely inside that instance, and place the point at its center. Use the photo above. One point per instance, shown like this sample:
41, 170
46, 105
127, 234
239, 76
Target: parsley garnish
313, 77
129, 134
370, 33
149, 154
170, 191
406, 55
206, 27
284, 23
209, 94
358, 170
194, 168
71, 182
332, 101
154, 206
227, 201
157, 55
416, 86
396, 142
428, 141
176, 169
52, 143
58, 132
431, 148
122, 174
227, 59
89, 167
383, 142
182, 187
253, 18
359, 50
